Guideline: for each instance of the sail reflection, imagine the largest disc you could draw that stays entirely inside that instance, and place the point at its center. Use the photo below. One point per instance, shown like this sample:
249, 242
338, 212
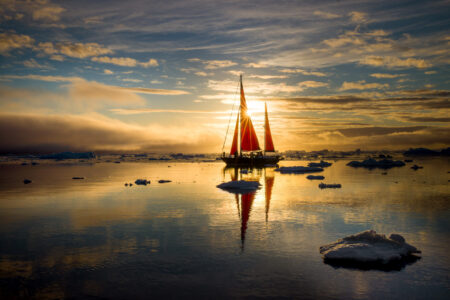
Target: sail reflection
244, 202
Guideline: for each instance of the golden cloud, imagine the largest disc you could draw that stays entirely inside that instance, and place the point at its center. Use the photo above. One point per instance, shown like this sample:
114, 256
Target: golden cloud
362, 85
125, 61
10, 41
77, 50
395, 62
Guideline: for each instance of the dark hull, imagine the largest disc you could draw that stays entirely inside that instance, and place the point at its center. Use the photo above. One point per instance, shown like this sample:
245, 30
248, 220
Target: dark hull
247, 161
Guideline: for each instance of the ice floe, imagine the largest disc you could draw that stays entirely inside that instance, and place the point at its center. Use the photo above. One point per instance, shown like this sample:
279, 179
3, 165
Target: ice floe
298, 170
330, 185
240, 186
371, 163
164, 181
416, 167
27, 181
314, 177
142, 181
321, 164
77, 177
368, 247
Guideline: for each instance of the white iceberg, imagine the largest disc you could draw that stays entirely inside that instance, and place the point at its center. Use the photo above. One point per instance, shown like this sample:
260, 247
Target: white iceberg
368, 247
240, 186
298, 170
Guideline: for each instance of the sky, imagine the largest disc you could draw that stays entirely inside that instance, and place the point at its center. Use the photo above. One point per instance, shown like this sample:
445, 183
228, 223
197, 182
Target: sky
162, 76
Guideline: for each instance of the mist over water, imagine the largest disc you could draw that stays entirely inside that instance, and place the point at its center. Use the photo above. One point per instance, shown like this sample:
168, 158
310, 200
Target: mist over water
96, 237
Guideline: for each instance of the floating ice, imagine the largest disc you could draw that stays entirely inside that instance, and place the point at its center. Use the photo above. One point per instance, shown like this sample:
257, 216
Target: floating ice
330, 186
368, 247
76, 177
313, 177
27, 181
298, 170
240, 186
142, 181
321, 164
164, 181
371, 163
416, 167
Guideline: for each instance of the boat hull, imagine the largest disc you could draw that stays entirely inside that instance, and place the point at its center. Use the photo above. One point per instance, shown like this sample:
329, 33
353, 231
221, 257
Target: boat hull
248, 161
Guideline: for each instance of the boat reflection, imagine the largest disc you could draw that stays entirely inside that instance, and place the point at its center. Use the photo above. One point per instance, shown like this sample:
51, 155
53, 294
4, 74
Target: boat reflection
244, 202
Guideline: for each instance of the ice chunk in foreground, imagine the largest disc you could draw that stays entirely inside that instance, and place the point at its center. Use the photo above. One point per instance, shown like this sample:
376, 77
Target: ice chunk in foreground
240, 186
142, 181
298, 170
368, 247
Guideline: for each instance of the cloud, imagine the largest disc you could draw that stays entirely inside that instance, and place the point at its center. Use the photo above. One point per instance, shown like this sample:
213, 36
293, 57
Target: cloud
137, 111
213, 64
383, 75
131, 80
77, 50
125, 61
430, 72
108, 72
362, 85
33, 133
358, 17
49, 13
326, 15
312, 84
201, 73
428, 119
268, 76
256, 65
119, 61
32, 63
150, 63
10, 41
304, 72
370, 131
395, 62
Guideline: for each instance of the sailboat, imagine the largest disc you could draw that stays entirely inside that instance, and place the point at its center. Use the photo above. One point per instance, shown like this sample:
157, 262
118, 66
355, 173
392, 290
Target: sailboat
245, 150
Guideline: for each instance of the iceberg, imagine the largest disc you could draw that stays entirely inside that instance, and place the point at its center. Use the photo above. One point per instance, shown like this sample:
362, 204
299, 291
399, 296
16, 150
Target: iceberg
330, 186
313, 177
240, 186
298, 170
416, 167
164, 181
368, 250
142, 181
321, 164
27, 181
371, 163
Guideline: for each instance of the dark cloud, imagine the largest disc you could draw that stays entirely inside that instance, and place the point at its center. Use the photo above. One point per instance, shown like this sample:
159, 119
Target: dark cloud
370, 131
428, 119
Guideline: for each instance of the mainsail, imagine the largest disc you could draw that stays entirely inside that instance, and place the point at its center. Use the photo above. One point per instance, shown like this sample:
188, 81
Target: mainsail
248, 140
268, 142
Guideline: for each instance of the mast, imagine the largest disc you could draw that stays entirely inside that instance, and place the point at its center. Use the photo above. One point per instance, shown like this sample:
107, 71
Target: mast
240, 116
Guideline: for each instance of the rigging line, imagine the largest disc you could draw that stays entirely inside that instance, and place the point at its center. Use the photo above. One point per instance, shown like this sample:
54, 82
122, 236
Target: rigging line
231, 114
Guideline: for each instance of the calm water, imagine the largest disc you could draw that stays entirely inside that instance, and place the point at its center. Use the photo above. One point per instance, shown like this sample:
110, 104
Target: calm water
97, 238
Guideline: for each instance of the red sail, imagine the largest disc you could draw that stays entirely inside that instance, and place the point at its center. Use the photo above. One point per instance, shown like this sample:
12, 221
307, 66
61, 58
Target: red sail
268, 145
234, 145
249, 140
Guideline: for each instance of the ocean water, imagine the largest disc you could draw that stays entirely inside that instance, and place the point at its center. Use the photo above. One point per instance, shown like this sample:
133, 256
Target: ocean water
96, 238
